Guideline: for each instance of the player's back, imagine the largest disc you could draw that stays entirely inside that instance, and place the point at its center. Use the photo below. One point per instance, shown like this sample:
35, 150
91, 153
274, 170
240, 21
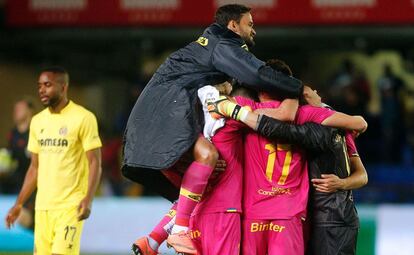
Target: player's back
276, 178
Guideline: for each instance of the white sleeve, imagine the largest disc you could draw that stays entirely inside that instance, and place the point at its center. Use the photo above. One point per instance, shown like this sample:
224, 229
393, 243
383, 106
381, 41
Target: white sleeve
206, 94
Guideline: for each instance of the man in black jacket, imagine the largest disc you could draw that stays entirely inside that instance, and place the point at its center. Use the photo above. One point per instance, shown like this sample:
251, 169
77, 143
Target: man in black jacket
164, 122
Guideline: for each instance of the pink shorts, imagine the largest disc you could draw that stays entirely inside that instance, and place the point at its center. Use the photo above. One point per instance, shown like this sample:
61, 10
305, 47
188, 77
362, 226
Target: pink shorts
216, 233
273, 237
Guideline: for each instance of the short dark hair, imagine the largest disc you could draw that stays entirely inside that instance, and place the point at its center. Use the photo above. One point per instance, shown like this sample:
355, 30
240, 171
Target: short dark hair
57, 70
280, 66
226, 13
244, 91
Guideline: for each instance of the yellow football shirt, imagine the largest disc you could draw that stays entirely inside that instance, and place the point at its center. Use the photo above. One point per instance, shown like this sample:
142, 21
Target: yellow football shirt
61, 140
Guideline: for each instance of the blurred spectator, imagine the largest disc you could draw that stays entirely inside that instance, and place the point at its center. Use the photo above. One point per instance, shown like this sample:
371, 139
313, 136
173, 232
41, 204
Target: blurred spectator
11, 182
17, 143
113, 182
349, 90
121, 118
116, 184
111, 162
392, 126
409, 119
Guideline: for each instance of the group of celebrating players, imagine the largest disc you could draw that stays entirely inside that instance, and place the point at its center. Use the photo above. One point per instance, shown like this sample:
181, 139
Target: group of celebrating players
277, 139
265, 169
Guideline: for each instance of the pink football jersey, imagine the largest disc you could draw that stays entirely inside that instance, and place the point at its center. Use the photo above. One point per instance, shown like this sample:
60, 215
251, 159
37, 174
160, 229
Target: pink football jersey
225, 194
275, 175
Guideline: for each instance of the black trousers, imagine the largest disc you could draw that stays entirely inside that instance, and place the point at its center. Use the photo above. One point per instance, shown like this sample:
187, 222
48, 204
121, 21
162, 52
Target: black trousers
339, 240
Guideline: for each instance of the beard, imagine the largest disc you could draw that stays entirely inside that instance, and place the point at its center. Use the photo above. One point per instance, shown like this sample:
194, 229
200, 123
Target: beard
249, 41
52, 102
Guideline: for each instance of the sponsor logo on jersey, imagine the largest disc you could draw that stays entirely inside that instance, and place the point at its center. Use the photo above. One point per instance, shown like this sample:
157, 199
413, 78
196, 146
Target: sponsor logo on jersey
195, 233
56, 142
261, 226
275, 191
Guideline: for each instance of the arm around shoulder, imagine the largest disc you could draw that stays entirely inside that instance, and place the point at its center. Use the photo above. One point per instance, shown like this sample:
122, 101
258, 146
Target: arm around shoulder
230, 58
311, 136
345, 121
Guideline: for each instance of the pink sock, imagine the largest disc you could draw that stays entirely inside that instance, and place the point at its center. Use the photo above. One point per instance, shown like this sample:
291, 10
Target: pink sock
192, 187
159, 234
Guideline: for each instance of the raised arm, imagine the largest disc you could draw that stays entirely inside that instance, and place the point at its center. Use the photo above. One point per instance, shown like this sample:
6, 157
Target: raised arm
285, 112
311, 136
233, 60
345, 121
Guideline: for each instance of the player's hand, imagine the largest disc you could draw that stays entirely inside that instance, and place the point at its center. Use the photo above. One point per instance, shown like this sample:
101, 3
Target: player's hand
84, 209
217, 109
12, 215
328, 183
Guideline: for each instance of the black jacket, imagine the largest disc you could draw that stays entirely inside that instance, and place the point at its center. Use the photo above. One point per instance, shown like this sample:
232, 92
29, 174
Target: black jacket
164, 122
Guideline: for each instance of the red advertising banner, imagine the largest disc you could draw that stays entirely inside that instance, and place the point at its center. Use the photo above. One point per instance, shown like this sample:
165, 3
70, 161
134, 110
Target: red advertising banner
28, 13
